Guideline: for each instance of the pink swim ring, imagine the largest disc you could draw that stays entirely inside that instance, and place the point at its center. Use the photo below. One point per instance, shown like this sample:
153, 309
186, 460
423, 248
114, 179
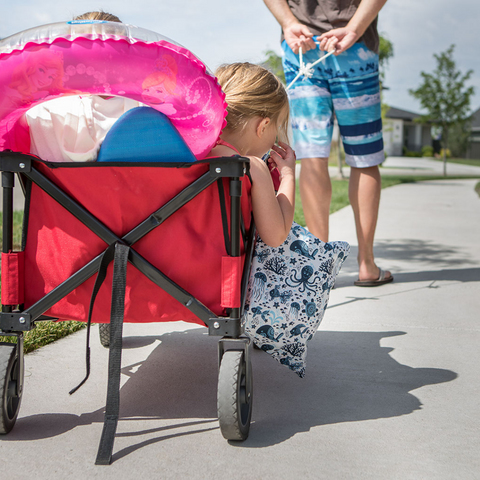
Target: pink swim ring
107, 58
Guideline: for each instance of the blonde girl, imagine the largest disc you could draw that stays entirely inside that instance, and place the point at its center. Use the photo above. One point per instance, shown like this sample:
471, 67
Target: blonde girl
257, 115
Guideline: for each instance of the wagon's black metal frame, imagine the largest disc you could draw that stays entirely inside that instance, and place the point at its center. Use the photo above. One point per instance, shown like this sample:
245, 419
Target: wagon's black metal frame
17, 321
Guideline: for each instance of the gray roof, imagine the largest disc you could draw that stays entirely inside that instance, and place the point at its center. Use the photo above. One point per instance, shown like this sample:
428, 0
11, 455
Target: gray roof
476, 120
398, 113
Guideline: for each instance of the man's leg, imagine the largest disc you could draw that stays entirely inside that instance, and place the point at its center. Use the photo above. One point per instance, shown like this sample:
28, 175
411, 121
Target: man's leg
316, 193
311, 114
364, 193
356, 100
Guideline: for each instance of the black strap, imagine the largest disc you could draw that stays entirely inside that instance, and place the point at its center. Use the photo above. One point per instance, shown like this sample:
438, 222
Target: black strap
105, 449
107, 257
223, 208
243, 231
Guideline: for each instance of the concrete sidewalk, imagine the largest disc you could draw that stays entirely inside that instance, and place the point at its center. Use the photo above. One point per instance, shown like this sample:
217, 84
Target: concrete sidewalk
391, 391
417, 167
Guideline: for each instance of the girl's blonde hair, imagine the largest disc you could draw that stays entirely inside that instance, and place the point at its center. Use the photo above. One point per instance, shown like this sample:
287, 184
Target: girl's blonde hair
100, 15
252, 91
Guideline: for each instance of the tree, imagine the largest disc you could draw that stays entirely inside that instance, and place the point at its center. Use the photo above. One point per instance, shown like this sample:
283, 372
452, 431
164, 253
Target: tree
385, 53
458, 139
273, 62
446, 98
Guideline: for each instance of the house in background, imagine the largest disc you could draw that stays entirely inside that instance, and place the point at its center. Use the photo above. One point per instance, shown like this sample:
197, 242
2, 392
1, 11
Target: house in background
473, 149
400, 130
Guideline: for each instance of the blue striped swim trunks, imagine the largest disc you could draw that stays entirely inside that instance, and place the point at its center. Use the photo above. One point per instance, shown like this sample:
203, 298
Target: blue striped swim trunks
347, 85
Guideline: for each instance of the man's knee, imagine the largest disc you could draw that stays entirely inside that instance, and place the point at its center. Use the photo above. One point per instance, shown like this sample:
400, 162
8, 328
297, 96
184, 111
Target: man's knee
314, 166
366, 170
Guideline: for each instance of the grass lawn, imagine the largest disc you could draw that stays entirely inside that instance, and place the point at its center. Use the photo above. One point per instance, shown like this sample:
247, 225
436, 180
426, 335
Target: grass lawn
340, 192
47, 332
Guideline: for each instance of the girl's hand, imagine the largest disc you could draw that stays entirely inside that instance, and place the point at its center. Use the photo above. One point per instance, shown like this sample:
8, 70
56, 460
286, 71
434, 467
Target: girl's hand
282, 157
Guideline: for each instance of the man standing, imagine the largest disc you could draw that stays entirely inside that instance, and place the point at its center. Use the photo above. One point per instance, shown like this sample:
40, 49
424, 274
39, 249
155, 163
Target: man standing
347, 85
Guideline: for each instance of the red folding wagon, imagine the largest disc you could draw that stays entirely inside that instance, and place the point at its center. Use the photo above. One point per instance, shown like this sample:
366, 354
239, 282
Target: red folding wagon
148, 233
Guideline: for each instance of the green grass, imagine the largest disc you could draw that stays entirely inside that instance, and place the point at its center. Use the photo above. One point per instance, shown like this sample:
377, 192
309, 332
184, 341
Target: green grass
340, 192
46, 332
17, 230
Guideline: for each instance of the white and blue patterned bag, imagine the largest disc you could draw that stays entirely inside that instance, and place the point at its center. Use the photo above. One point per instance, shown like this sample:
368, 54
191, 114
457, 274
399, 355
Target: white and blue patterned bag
288, 293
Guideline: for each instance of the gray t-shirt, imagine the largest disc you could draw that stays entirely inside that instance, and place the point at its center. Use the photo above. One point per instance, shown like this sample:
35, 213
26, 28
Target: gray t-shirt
321, 16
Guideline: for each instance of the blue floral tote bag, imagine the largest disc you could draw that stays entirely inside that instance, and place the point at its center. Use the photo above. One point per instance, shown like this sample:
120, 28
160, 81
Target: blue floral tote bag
288, 293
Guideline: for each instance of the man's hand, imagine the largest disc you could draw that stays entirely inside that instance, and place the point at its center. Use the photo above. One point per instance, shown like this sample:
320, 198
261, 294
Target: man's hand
342, 39
298, 35
339, 39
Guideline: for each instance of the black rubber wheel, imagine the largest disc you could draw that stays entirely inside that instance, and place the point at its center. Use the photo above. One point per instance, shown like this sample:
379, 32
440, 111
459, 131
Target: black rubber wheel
234, 398
10, 371
104, 332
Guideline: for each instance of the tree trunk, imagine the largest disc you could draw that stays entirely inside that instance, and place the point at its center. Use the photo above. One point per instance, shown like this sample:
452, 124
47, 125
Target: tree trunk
339, 159
445, 148
339, 154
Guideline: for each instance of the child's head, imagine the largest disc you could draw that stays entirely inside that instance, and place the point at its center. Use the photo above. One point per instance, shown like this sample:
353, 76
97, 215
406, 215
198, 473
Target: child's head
252, 91
100, 15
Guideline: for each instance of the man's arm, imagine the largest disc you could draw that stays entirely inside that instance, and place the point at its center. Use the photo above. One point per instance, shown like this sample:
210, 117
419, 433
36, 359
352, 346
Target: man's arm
296, 34
341, 39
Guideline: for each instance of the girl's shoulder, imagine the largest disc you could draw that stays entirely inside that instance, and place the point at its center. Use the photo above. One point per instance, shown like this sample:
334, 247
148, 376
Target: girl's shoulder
222, 151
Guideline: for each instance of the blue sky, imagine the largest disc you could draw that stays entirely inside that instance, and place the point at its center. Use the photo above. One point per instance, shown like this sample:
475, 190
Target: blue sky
220, 31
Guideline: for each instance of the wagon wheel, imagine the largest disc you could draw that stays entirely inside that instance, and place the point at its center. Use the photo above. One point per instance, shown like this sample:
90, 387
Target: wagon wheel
10, 371
104, 332
234, 399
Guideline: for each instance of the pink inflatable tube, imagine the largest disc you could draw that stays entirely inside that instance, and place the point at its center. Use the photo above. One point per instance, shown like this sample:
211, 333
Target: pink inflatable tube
107, 58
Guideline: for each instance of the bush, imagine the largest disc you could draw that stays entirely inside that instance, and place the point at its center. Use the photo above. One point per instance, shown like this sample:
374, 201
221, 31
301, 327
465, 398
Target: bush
427, 151
411, 153
449, 153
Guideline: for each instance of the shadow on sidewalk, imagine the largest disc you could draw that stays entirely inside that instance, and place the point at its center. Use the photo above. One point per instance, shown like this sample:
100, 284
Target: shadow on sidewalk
350, 378
437, 258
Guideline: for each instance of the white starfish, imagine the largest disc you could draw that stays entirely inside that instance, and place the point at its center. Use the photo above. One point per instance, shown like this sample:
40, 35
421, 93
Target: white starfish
306, 69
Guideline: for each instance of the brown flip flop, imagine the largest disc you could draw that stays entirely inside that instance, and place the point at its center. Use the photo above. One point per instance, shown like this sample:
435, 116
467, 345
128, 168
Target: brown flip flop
381, 280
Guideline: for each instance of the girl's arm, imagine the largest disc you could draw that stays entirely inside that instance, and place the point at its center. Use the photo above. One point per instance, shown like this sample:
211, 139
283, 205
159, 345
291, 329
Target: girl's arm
273, 214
